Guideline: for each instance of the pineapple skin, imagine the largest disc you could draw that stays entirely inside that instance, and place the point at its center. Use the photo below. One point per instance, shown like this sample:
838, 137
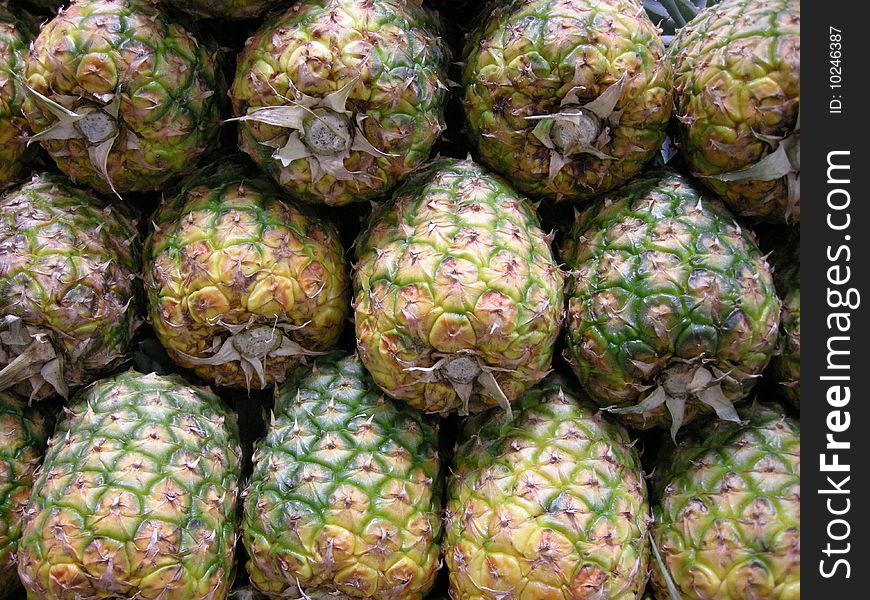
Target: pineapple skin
230, 251
23, 433
68, 278
165, 81
736, 88
390, 52
456, 270
727, 518
137, 496
345, 497
550, 503
525, 61
16, 31
672, 310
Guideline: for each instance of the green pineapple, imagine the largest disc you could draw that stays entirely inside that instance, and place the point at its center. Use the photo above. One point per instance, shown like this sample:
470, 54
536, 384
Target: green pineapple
121, 97
567, 98
458, 297
550, 503
344, 501
672, 310
22, 441
137, 497
69, 298
727, 522
243, 285
339, 100
787, 362
16, 31
737, 92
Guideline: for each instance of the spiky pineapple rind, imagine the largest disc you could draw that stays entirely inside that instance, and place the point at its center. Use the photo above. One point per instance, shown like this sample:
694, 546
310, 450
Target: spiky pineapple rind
340, 100
243, 284
548, 503
141, 481
567, 99
16, 31
458, 299
672, 310
737, 96
727, 517
123, 98
69, 294
345, 494
23, 433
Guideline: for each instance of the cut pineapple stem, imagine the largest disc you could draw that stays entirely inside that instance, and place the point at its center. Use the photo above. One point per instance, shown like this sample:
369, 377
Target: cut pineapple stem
251, 346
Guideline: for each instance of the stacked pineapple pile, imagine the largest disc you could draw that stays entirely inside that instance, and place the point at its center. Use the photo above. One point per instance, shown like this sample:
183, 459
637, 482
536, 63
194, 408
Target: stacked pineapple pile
183, 182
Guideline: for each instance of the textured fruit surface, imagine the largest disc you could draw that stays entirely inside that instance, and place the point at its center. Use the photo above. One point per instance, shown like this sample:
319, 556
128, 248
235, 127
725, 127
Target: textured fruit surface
458, 299
550, 503
727, 523
737, 93
242, 284
226, 9
344, 501
672, 309
567, 98
16, 31
338, 100
121, 97
68, 295
787, 363
137, 496
22, 441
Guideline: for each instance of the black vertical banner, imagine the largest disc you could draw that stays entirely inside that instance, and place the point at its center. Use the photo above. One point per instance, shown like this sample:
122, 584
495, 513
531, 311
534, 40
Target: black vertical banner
835, 266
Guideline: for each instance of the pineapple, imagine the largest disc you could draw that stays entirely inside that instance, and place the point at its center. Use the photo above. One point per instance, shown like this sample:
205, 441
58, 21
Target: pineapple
69, 299
458, 297
121, 97
16, 31
567, 98
338, 100
242, 285
672, 309
137, 496
787, 362
22, 441
737, 94
550, 503
225, 9
344, 501
727, 522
